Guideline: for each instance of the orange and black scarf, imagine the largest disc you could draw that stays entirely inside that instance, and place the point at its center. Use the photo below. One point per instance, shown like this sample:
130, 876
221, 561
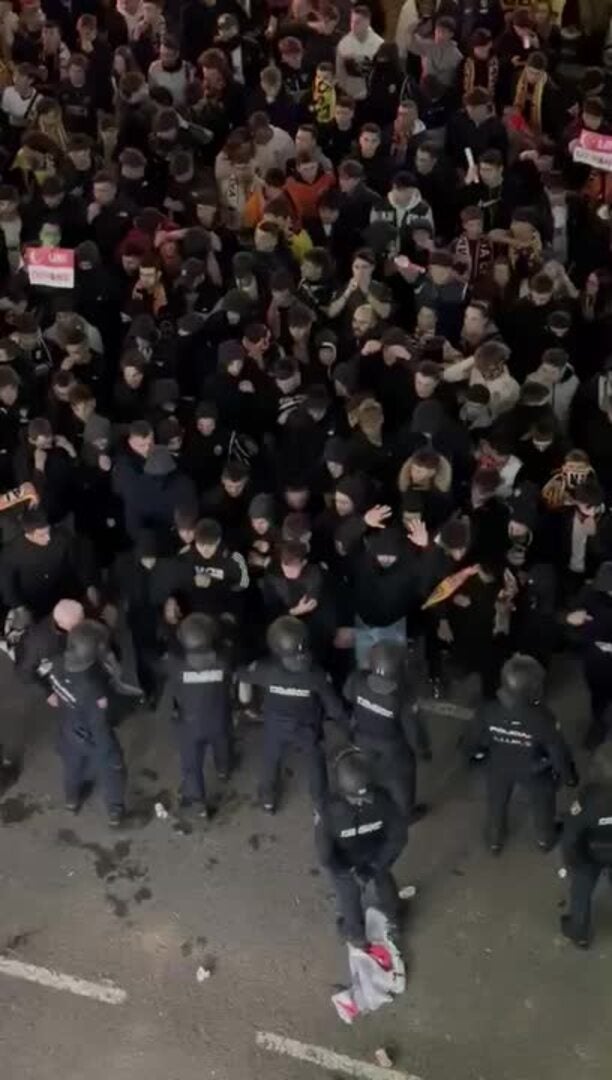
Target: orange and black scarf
528, 100
449, 586
469, 74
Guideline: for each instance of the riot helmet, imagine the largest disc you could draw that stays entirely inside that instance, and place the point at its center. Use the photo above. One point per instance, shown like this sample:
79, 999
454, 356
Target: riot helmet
384, 667
522, 680
354, 776
196, 635
84, 646
288, 642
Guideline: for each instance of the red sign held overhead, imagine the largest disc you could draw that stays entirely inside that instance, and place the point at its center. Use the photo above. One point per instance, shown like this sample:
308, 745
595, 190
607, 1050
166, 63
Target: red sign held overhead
50, 266
594, 149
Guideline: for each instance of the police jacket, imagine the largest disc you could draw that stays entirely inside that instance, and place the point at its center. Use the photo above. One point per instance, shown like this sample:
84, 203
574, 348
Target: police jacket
587, 831
201, 692
295, 700
524, 739
83, 705
378, 718
366, 837
44, 644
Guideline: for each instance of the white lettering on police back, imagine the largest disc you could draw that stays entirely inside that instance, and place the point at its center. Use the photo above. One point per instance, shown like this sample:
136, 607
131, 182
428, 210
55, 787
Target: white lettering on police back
605, 821
214, 676
371, 705
361, 830
289, 691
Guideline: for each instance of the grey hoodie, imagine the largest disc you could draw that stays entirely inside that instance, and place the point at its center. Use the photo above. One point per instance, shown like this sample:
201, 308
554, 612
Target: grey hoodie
561, 393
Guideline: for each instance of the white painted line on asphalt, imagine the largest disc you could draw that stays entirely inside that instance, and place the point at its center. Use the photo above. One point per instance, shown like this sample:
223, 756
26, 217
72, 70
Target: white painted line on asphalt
56, 980
326, 1059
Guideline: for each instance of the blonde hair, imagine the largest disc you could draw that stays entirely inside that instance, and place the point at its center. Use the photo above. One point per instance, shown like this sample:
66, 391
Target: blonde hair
370, 417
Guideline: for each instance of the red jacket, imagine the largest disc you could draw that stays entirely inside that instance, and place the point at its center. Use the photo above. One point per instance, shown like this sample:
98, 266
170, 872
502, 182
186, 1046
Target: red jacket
305, 197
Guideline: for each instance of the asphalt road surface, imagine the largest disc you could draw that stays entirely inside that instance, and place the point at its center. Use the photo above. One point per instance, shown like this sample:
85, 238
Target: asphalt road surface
493, 992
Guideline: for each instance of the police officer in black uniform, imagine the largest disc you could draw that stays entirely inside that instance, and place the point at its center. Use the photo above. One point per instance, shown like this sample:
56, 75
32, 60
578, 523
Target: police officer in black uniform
46, 641
297, 698
525, 748
383, 723
587, 845
87, 745
200, 684
359, 834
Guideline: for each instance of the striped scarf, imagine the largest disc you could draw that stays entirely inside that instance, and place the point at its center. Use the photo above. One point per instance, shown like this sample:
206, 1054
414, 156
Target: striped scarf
469, 74
528, 100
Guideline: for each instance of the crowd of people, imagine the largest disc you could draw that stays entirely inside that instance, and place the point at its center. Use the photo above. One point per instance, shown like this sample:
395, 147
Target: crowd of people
334, 371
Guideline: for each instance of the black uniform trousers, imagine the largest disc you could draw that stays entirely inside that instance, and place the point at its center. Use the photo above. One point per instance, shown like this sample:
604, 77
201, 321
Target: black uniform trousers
353, 897
584, 878
541, 790
278, 738
193, 744
84, 762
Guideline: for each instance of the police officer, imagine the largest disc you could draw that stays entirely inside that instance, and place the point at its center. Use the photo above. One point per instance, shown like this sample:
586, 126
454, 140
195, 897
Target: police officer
200, 684
587, 845
46, 640
87, 744
525, 748
383, 723
297, 698
359, 834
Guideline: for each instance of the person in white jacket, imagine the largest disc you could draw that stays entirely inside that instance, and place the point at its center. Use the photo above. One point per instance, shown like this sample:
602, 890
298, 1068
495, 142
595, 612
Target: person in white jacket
557, 374
411, 14
355, 53
488, 367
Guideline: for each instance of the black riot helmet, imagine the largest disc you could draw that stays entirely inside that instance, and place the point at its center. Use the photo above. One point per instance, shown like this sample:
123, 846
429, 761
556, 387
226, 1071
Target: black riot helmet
354, 776
197, 633
522, 680
384, 667
84, 646
288, 642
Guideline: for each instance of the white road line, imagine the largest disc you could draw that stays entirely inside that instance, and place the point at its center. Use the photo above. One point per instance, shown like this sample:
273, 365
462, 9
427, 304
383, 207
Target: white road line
326, 1059
56, 980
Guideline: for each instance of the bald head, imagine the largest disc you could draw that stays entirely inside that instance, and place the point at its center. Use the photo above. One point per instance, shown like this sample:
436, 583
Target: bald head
67, 614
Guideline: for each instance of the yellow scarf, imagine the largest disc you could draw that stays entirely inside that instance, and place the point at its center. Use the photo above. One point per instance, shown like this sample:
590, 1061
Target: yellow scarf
449, 586
53, 128
533, 104
469, 74
21, 162
323, 100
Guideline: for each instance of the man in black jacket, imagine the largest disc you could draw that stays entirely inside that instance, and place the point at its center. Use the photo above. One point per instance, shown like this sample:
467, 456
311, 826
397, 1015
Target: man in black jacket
590, 620
525, 748
385, 723
297, 699
200, 685
43, 566
87, 743
385, 589
359, 834
587, 846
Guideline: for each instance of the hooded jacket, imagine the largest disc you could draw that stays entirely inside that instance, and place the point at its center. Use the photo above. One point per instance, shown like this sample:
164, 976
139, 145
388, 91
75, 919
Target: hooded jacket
402, 217
561, 393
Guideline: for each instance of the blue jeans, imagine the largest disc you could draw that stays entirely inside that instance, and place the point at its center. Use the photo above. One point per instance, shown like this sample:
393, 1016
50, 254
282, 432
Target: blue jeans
366, 636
